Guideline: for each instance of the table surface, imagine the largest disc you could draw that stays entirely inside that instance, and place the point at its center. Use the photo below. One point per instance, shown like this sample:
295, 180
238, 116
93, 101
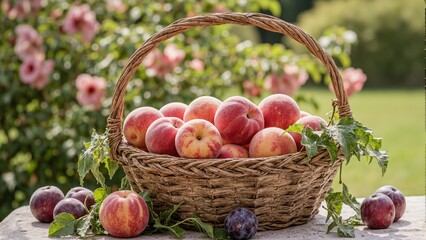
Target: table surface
20, 224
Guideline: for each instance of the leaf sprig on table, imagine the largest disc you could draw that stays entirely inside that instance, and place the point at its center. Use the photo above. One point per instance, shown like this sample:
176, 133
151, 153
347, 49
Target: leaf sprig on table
352, 139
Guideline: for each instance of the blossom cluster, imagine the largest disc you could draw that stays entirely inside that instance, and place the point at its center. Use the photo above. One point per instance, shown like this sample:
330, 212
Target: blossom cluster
35, 70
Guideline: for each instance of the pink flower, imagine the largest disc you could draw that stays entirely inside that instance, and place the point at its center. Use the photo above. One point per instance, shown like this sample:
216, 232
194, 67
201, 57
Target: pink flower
28, 42
81, 20
288, 83
90, 90
173, 54
160, 63
36, 72
220, 9
116, 6
353, 80
21, 9
196, 64
252, 89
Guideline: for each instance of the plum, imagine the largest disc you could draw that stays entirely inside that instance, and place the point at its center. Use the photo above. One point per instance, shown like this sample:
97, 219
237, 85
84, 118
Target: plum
82, 194
43, 202
377, 211
241, 224
72, 206
397, 198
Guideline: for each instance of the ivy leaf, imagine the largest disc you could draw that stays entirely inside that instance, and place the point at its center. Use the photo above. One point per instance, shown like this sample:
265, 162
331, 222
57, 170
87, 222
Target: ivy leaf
297, 128
100, 194
125, 185
347, 231
381, 156
166, 216
83, 224
350, 200
344, 134
203, 227
62, 225
311, 142
220, 234
334, 203
98, 175
112, 166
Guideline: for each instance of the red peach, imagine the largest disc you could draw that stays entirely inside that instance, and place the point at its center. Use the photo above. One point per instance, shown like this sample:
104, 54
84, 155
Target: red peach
304, 114
136, 124
160, 136
314, 122
233, 151
124, 214
238, 119
271, 142
174, 109
198, 138
203, 107
279, 110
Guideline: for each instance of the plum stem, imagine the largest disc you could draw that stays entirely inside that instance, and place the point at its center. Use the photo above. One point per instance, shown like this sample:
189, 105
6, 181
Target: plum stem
340, 173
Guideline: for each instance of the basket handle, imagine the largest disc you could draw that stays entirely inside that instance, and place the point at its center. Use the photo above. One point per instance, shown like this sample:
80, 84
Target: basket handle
264, 21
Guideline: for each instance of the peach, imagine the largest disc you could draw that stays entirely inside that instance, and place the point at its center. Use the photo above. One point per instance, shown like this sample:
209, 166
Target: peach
203, 107
304, 114
124, 214
279, 110
233, 151
161, 134
136, 124
174, 109
271, 141
314, 122
238, 119
198, 138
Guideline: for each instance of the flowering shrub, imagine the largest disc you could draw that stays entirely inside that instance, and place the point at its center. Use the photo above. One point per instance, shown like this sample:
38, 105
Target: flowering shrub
60, 60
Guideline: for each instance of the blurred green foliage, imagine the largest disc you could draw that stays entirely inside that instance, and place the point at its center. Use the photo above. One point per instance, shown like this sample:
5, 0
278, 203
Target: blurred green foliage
43, 131
390, 36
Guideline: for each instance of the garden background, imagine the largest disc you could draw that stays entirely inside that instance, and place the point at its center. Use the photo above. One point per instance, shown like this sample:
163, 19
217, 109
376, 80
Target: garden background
59, 61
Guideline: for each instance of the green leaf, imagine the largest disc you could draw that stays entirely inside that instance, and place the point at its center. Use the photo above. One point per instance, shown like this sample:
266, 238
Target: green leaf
297, 128
62, 225
344, 134
334, 203
220, 234
346, 231
331, 226
83, 224
166, 215
350, 200
382, 158
98, 175
84, 164
174, 230
125, 185
310, 141
112, 166
203, 227
100, 194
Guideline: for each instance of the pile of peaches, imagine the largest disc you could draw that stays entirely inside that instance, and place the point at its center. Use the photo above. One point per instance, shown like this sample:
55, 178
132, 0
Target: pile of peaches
210, 128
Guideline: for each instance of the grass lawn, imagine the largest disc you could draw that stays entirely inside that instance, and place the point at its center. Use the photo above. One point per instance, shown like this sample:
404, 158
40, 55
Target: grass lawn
398, 117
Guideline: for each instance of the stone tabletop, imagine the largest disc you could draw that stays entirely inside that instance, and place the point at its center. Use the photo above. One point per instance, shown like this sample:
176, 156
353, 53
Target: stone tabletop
20, 224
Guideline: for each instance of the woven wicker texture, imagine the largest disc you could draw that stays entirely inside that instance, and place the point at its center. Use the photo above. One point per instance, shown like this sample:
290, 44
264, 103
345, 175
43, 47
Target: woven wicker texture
282, 191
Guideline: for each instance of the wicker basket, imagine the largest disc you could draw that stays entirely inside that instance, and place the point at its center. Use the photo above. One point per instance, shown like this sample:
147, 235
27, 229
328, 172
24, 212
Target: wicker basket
282, 191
